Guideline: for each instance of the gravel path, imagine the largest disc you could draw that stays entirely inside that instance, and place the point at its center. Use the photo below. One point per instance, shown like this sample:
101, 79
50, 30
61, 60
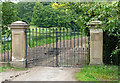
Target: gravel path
9, 75
48, 74
42, 74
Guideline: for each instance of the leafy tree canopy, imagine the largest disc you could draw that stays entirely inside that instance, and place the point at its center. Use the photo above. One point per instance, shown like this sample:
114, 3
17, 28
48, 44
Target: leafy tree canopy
9, 15
51, 16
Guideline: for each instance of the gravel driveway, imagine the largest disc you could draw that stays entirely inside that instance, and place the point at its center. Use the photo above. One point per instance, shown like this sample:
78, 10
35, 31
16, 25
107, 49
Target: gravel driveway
45, 74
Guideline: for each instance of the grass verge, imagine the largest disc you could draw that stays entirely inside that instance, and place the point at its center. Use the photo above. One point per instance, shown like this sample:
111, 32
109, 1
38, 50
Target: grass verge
9, 67
98, 73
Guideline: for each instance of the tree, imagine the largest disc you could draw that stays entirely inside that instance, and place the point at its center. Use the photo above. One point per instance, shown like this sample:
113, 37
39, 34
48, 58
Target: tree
44, 15
9, 15
25, 10
108, 13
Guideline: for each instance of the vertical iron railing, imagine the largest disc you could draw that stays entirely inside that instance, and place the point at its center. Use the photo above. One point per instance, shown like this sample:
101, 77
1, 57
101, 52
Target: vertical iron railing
26, 64
6, 46
56, 46
88, 46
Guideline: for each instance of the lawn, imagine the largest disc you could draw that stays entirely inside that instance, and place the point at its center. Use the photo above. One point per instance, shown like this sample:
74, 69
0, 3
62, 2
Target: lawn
98, 73
3, 69
9, 67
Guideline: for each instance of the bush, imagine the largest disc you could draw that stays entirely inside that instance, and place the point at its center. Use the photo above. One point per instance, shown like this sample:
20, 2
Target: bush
109, 47
108, 13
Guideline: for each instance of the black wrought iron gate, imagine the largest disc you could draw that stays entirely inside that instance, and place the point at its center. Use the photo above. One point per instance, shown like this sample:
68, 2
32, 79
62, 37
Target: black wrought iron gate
57, 47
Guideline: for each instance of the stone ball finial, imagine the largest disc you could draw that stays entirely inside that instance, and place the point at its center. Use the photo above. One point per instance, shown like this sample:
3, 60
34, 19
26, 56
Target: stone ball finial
18, 24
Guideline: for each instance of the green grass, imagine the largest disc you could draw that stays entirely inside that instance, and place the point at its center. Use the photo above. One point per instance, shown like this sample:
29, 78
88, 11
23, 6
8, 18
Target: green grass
3, 69
98, 73
119, 74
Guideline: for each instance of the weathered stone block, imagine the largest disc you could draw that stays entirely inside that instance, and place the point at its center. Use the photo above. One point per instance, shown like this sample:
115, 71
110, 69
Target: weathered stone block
18, 44
96, 45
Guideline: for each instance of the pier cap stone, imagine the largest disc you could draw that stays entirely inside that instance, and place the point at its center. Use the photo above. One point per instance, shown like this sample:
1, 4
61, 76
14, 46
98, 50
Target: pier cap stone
96, 23
93, 23
18, 24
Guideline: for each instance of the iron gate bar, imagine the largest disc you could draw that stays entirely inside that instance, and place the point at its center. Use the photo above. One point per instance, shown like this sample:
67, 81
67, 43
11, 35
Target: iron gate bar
62, 50
63, 45
42, 32
85, 45
49, 38
74, 46
43, 39
89, 44
40, 43
4, 48
39, 36
8, 50
81, 43
26, 64
11, 45
53, 47
32, 60
46, 42
71, 41
36, 46
56, 48
78, 45
29, 46
85, 42
46, 47
1, 47
60, 47
33, 37
67, 47
43, 42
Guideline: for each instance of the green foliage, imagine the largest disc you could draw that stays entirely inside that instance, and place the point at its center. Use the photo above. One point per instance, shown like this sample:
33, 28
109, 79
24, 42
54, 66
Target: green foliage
25, 11
5, 68
9, 15
98, 73
110, 53
0, 14
47, 16
108, 13
70, 15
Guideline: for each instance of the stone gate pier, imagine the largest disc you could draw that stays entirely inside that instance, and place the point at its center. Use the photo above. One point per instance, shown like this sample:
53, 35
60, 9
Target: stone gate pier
96, 43
18, 43
18, 29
